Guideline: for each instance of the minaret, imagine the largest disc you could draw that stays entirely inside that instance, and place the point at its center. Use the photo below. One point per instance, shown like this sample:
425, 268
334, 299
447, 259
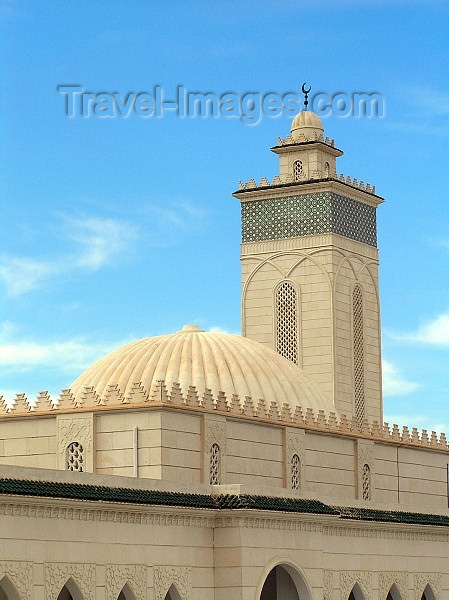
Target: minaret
310, 269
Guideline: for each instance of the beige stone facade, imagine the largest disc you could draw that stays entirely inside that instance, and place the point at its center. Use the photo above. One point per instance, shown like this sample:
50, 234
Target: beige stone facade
208, 466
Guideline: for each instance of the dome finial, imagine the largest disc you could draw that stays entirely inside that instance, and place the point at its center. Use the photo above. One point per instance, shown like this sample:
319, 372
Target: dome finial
306, 94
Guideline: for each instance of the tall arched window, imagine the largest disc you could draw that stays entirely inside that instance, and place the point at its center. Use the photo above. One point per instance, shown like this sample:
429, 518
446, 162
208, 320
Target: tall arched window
358, 353
214, 465
366, 482
326, 169
297, 170
75, 457
296, 472
287, 321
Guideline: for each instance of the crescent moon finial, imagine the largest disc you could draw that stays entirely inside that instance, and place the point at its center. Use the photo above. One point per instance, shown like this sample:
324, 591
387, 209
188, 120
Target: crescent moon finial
306, 94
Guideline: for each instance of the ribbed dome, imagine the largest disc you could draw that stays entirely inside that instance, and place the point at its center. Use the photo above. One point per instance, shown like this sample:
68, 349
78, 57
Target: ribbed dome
308, 123
217, 361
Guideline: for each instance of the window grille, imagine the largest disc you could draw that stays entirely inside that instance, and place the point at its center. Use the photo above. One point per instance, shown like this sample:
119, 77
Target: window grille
366, 483
214, 465
297, 170
287, 321
75, 457
358, 353
296, 475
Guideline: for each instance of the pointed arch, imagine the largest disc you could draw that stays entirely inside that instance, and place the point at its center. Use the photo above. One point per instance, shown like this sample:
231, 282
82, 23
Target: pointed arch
173, 593
8, 590
356, 593
394, 593
126, 593
288, 572
428, 593
70, 591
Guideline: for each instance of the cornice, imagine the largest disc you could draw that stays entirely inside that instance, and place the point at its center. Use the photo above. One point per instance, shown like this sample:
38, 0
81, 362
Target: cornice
80, 510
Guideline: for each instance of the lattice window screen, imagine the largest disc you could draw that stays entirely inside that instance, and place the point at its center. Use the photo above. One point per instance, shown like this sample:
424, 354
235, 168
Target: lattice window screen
359, 367
297, 170
75, 457
296, 474
214, 465
287, 321
366, 483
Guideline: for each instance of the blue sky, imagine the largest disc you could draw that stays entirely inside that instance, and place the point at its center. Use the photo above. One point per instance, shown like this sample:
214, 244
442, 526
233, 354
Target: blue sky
119, 228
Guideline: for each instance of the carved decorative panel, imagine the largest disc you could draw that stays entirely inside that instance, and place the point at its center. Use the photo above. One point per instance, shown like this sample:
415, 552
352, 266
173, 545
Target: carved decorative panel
294, 447
117, 576
365, 478
424, 579
20, 574
214, 436
80, 429
57, 575
387, 579
348, 579
166, 576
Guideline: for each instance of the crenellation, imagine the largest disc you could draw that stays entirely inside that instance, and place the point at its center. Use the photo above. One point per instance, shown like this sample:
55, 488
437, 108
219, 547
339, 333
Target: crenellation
310, 418
247, 409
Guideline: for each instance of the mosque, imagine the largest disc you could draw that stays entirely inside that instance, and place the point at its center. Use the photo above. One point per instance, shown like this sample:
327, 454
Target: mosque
210, 466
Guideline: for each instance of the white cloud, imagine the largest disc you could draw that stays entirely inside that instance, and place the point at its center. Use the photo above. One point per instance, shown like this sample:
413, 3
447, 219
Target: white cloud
100, 240
65, 356
98, 243
22, 274
434, 332
393, 383
221, 330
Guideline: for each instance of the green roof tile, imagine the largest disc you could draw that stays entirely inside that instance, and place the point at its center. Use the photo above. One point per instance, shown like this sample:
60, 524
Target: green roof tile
79, 491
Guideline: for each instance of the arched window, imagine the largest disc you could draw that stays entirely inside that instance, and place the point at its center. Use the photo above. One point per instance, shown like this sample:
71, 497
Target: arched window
284, 582
8, 590
126, 593
70, 591
286, 306
428, 593
214, 465
366, 482
326, 169
64, 594
358, 353
296, 472
75, 457
297, 170
172, 594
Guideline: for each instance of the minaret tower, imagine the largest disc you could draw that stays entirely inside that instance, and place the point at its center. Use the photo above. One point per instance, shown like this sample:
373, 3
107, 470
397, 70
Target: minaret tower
310, 269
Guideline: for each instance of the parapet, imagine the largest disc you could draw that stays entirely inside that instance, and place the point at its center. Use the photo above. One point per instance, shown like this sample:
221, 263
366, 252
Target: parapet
204, 401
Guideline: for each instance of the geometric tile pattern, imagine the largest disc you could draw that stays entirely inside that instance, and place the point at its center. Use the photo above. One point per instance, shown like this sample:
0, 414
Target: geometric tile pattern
308, 214
358, 353
287, 321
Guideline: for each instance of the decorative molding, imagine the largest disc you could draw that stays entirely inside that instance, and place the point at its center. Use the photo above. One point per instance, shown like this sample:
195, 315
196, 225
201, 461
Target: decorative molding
152, 517
421, 581
387, 579
20, 574
165, 576
57, 575
117, 576
75, 428
349, 578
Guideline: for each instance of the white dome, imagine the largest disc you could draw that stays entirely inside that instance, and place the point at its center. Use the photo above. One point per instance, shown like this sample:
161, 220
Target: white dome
220, 362
307, 123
